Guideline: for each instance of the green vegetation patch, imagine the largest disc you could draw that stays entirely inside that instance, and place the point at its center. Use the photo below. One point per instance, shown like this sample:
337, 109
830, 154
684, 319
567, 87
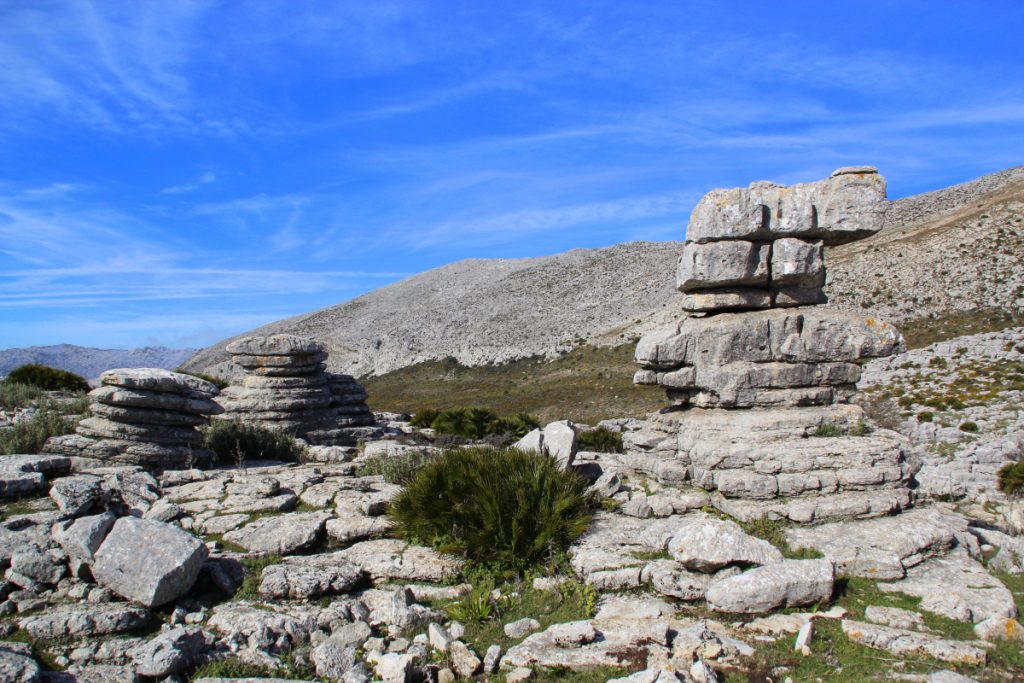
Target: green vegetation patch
921, 332
47, 378
501, 507
235, 443
588, 384
254, 566
233, 668
601, 440
572, 601
396, 469
1010, 479
29, 435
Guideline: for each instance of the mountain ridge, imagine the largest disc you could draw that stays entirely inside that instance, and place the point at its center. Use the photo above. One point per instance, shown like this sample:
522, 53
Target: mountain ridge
488, 311
91, 362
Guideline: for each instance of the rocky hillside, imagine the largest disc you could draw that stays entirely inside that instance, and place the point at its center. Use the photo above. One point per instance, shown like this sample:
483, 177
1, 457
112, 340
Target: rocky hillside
89, 363
491, 311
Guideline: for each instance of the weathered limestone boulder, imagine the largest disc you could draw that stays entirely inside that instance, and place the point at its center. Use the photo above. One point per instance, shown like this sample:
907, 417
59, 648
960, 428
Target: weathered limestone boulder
143, 416
788, 583
25, 475
246, 626
389, 558
17, 664
300, 578
904, 642
707, 544
171, 652
956, 586
557, 439
847, 206
85, 620
883, 548
285, 534
285, 388
149, 562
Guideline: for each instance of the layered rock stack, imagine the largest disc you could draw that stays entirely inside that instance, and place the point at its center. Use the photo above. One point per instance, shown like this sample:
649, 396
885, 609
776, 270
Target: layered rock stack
755, 369
285, 388
143, 416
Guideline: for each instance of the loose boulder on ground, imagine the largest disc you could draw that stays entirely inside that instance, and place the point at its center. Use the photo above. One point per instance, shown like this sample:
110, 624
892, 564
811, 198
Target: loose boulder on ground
790, 583
149, 562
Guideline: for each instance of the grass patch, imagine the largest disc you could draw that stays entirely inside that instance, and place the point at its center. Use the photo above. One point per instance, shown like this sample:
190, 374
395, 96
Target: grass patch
230, 667
254, 566
494, 506
235, 443
573, 601
601, 440
921, 332
15, 395
28, 436
774, 531
396, 469
588, 384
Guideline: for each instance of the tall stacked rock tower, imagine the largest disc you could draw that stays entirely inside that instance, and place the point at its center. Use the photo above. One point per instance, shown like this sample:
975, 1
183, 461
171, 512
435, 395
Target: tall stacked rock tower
285, 388
143, 416
761, 377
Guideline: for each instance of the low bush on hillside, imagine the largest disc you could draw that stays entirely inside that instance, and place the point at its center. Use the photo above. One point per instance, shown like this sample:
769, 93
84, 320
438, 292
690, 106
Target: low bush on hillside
29, 435
504, 508
828, 430
1010, 479
47, 378
474, 423
235, 443
602, 440
396, 469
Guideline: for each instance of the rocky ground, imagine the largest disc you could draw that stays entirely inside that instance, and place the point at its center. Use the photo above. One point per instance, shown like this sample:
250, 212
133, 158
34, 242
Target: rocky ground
288, 571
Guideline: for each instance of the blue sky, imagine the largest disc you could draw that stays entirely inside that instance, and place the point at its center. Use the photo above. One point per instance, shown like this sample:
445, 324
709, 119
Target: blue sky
177, 172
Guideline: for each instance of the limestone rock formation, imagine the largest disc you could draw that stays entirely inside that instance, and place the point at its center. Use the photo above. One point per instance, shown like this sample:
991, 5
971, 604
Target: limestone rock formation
285, 388
754, 370
143, 416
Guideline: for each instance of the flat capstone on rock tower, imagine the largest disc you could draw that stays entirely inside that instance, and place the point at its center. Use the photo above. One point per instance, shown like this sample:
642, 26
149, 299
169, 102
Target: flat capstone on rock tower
760, 376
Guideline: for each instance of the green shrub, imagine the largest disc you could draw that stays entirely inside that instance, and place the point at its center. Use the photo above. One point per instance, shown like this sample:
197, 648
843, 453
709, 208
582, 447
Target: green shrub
938, 362
602, 440
476, 606
471, 423
424, 418
50, 379
396, 469
234, 443
16, 395
28, 436
925, 416
828, 430
969, 426
501, 507
1010, 479
474, 423
518, 425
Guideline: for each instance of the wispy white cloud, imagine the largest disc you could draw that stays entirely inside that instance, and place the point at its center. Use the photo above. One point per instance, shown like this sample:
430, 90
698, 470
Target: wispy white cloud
204, 178
511, 226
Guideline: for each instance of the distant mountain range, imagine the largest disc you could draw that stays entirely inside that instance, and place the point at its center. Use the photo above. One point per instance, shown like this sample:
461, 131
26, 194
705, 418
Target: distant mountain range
954, 249
90, 363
